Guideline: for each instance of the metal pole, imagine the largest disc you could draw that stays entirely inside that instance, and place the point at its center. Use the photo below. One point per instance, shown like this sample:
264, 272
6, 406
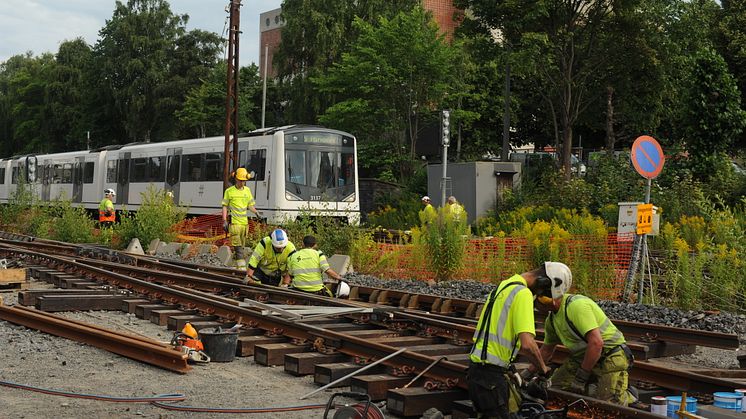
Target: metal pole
445, 176
354, 373
506, 112
644, 247
264, 89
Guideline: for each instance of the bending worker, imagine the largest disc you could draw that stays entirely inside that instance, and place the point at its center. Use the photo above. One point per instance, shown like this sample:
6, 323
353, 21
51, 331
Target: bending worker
269, 262
307, 265
106, 213
506, 326
427, 213
239, 201
597, 348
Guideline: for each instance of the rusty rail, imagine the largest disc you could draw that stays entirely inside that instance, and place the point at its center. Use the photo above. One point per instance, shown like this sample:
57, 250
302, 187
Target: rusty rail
131, 346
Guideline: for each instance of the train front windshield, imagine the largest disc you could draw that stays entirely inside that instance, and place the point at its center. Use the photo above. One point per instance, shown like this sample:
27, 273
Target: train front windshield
319, 166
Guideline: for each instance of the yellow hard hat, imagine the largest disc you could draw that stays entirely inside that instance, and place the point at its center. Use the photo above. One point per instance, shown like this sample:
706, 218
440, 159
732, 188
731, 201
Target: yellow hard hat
242, 174
189, 330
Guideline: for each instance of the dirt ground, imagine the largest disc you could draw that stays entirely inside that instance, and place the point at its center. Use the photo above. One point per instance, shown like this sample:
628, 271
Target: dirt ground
38, 359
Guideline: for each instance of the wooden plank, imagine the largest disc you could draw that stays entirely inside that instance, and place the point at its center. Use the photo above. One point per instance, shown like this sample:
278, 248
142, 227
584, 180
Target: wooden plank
178, 322
271, 354
13, 275
375, 333
414, 401
57, 278
441, 349
206, 325
69, 283
377, 385
304, 363
84, 285
160, 317
13, 286
143, 310
129, 305
79, 302
343, 327
328, 373
28, 297
246, 344
401, 341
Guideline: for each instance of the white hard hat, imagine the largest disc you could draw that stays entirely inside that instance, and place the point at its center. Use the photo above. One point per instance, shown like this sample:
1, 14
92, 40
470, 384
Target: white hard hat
279, 238
561, 278
343, 289
425, 198
109, 192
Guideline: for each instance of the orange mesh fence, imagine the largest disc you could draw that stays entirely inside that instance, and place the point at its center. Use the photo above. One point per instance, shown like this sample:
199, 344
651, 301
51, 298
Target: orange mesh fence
206, 229
599, 265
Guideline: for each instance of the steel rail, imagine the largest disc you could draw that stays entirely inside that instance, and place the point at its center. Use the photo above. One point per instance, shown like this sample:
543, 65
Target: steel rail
130, 346
594, 407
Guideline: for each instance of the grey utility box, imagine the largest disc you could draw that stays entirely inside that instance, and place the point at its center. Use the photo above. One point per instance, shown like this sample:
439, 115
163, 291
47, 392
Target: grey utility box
476, 185
628, 218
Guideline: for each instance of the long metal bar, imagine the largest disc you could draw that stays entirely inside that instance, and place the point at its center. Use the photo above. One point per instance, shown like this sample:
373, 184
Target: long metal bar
597, 408
134, 347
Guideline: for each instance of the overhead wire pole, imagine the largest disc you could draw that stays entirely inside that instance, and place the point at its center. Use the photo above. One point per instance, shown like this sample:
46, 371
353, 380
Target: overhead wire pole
230, 161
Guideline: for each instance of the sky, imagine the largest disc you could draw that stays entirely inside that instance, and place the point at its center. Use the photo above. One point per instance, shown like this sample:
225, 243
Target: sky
41, 25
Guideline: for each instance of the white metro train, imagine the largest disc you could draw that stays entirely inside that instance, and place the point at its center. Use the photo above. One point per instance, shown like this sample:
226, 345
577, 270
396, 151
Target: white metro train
297, 168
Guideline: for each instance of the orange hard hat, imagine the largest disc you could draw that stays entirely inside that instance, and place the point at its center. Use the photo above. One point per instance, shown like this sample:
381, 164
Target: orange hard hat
189, 330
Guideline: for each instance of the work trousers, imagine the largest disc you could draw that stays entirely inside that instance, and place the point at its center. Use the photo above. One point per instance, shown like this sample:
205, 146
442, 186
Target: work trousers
237, 234
324, 291
491, 392
267, 279
609, 374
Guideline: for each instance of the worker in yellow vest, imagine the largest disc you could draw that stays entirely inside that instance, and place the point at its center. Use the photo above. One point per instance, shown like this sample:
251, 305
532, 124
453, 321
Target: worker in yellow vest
427, 213
237, 202
505, 327
307, 265
598, 350
269, 262
106, 213
455, 209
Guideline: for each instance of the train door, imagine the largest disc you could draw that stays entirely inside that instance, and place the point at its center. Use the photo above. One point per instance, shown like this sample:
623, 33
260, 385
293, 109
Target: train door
78, 179
123, 178
46, 180
173, 169
254, 155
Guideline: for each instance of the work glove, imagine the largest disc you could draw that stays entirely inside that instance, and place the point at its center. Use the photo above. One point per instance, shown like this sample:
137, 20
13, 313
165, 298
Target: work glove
226, 226
581, 379
258, 214
526, 375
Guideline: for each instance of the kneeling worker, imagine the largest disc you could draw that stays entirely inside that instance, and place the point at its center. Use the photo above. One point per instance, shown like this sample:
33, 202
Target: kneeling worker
307, 265
505, 327
597, 348
269, 262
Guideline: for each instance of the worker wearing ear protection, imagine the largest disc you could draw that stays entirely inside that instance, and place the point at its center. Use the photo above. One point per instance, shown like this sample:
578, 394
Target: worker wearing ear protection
505, 327
598, 350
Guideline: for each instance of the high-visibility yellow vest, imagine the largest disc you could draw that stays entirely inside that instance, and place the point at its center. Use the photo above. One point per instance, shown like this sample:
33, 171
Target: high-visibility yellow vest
457, 211
584, 315
238, 202
508, 312
428, 214
306, 266
106, 211
265, 258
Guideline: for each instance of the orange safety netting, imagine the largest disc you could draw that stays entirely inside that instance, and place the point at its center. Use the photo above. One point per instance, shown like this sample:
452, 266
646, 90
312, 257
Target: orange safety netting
599, 265
205, 229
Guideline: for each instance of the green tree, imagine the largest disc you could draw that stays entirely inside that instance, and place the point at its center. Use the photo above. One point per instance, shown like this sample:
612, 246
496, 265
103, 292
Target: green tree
132, 56
315, 35
396, 74
732, 28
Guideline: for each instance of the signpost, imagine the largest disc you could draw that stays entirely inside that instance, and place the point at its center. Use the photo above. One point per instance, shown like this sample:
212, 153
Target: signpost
648, 159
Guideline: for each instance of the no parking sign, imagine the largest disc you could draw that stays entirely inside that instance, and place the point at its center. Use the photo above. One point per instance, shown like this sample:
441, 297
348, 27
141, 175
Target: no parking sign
647, 157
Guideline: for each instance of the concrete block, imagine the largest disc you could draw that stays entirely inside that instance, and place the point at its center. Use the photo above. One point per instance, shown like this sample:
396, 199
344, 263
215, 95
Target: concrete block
153, 246
161, 249
225, 255
340, 264
173, 248
206, 249
135, 247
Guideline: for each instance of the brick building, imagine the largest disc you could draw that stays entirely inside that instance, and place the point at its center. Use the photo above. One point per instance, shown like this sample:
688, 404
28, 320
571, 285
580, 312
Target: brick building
271, 23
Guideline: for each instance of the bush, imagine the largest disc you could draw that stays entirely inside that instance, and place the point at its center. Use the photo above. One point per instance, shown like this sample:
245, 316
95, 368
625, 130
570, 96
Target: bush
442, 243
71, 224
154, 220
397, 210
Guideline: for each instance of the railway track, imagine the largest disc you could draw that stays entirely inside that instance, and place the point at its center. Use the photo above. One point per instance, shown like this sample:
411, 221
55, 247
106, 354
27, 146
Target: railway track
363, 337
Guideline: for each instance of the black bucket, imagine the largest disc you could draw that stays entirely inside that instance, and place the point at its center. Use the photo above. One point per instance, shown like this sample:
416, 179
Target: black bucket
220, 346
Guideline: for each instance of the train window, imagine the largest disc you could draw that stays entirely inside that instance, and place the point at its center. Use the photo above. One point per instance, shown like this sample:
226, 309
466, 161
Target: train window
139, 170
321, 164
67, 173
191, 169
111, 171
346, 170
88, 172
242, 158
156, 168
2, 176
295, 164
14, 175
213, 167
257, 162
172, 174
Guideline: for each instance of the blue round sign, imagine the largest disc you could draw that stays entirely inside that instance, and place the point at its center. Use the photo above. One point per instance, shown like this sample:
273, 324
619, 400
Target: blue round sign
647, 157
